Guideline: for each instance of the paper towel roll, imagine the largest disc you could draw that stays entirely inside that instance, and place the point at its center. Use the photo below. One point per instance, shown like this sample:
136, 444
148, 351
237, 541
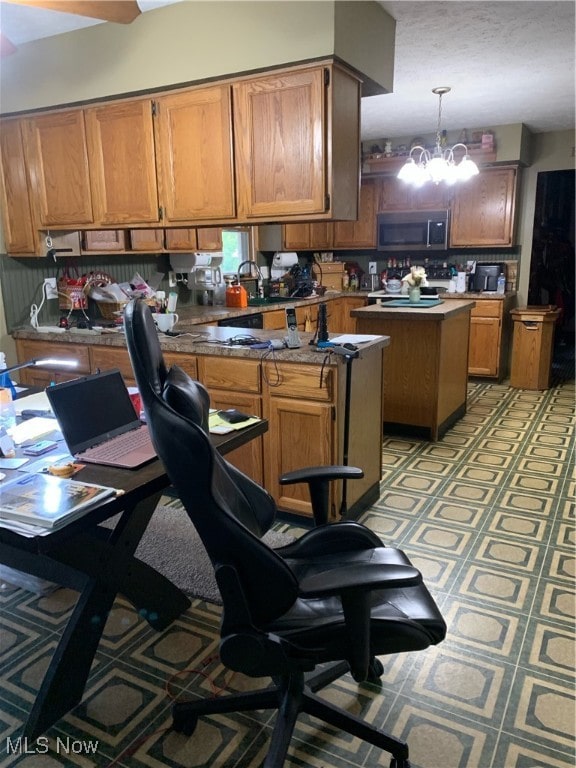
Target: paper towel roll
284, 259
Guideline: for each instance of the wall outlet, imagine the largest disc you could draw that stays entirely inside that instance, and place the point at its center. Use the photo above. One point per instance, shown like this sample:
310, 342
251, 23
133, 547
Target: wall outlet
372, 267
51, 288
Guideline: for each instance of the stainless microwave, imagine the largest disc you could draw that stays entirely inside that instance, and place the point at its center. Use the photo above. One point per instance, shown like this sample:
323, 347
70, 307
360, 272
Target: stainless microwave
413, 231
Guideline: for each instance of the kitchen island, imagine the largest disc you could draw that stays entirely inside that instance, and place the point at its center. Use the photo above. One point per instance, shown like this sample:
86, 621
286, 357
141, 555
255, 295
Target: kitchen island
425, 367
301, 392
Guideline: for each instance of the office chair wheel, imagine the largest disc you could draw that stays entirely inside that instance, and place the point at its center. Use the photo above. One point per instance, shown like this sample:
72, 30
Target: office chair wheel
399, 762
375, 670
184, 723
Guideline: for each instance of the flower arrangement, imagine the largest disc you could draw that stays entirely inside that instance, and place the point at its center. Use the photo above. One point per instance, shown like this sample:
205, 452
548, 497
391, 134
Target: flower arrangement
416, 277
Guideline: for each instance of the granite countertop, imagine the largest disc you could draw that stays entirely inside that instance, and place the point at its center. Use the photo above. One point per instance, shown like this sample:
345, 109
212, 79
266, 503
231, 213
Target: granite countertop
479, 296
207, 340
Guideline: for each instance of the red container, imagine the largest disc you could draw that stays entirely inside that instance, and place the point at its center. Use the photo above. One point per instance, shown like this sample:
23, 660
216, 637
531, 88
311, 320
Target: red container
236, 296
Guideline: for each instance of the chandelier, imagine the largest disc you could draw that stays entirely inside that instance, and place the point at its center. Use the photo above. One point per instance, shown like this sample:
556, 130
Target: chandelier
423, 166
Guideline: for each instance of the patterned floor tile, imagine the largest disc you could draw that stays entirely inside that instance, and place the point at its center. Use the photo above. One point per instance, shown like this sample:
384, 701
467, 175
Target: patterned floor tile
488, 516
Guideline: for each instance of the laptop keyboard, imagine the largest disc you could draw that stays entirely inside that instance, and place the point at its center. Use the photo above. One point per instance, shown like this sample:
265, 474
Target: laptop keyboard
119, 446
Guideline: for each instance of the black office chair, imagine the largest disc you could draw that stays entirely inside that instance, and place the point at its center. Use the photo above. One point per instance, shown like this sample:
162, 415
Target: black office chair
335, 595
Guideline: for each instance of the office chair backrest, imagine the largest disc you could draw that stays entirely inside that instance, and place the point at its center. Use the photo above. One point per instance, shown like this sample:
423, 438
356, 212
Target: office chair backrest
229, 511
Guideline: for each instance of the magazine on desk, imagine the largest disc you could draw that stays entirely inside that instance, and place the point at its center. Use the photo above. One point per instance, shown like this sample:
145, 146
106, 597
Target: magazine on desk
47, 502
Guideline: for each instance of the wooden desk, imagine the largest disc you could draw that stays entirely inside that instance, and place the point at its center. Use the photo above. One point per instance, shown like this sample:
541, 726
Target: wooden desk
99, 563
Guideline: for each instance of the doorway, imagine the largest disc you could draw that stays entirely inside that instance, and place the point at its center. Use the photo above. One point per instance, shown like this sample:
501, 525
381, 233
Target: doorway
552, 265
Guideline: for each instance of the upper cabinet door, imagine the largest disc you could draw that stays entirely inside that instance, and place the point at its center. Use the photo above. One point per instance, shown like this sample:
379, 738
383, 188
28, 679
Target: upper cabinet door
195, 159
361, 233
122, 163
483, 209
18, 228
279, 125
58, 167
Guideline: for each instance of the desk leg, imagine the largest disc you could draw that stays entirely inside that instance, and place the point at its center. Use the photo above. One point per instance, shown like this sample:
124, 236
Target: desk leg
109, 572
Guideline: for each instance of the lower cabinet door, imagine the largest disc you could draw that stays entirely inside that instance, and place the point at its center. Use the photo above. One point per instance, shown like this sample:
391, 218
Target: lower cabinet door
248, 458
300, 434
484, 348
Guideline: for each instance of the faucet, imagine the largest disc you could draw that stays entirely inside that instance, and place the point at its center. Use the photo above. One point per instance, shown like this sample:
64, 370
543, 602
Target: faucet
259, 275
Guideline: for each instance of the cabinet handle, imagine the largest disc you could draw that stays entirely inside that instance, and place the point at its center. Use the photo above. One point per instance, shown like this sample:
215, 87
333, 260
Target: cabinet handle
530, 325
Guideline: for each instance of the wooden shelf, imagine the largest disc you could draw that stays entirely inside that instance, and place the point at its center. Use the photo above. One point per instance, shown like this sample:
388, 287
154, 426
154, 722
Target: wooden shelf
393, 164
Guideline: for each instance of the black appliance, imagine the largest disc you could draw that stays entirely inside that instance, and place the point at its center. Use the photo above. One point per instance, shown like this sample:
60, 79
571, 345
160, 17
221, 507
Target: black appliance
243, 321
485, 277
413, 231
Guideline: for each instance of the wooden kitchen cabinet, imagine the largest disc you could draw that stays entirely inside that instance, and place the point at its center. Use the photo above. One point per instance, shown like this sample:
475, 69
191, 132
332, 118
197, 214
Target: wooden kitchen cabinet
316, 236
393, 194
348, 303
483, 209
209, 238
236, 384
360, 233
18, 229
43, 375
490, 338
147, 240
122, 162
57, 153
324, 236
195, 155
194, 239
297, 144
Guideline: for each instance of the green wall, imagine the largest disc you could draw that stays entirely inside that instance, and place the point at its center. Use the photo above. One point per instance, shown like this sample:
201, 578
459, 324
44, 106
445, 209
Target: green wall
193, 41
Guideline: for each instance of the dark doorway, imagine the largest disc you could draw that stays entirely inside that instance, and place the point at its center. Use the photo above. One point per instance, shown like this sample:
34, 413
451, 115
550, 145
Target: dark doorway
552, 267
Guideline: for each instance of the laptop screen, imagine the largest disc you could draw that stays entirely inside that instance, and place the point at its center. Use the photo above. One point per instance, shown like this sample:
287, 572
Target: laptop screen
92, 409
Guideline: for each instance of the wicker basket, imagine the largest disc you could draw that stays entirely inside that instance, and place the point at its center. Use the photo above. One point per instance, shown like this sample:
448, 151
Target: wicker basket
108, 309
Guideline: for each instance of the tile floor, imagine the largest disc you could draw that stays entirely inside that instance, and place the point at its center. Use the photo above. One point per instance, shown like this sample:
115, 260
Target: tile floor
487, 514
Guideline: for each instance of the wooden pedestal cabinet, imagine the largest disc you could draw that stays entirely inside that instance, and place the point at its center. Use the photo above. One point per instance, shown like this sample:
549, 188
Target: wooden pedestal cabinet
490, 335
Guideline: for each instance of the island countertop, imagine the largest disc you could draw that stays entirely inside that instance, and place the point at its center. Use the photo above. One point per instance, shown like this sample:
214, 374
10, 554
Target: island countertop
438, 312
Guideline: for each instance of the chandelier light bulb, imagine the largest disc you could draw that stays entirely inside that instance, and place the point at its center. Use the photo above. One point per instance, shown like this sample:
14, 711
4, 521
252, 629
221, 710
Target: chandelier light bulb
440, 165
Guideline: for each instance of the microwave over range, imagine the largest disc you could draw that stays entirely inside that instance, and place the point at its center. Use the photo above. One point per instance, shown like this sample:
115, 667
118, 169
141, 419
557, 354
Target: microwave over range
413, 231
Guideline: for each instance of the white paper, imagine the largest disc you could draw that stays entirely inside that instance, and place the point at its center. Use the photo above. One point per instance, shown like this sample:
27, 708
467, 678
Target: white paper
354, 338
32, 429
36, 402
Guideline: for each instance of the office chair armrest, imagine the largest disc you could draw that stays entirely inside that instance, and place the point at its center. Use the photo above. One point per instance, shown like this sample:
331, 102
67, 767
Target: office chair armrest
361, 577
354, 584
319, 479
332, 472
343, 536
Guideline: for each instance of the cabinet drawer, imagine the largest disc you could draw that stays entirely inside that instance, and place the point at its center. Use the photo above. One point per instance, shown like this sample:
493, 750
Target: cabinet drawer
487, 308
105, 358
105, 240
28, 350
229, 373
188, 363
302, 381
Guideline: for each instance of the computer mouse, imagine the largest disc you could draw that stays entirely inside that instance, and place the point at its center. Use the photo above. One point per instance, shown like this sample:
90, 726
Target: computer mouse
232, 416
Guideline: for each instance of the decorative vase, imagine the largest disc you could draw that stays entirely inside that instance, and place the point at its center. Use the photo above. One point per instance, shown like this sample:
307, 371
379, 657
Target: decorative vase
414, 294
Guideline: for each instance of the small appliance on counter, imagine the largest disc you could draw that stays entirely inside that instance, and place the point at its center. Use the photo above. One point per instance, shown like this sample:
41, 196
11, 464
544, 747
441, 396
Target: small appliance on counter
485, 278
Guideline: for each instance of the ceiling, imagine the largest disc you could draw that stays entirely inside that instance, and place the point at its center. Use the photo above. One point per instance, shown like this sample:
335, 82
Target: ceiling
506, 62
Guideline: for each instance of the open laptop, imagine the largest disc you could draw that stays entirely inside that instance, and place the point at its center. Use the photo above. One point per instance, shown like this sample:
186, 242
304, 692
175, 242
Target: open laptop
98, 421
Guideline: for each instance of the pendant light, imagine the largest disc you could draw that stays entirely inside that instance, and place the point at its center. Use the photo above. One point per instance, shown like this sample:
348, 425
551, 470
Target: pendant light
423, 166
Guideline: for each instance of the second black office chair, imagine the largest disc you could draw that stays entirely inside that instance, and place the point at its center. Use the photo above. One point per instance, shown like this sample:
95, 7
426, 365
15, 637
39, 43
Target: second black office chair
337, 594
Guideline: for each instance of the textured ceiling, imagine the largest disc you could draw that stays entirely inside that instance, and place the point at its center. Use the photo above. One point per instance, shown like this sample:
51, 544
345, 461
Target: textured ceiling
506, 62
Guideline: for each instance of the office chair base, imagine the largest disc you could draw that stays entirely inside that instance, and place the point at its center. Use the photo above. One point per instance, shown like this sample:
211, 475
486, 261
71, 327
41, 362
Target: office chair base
290, 696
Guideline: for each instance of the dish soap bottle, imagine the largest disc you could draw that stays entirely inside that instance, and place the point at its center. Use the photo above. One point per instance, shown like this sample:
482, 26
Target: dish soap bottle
501, 284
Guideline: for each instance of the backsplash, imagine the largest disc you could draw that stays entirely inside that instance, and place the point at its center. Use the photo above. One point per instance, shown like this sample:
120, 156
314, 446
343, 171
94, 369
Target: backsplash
22, 281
